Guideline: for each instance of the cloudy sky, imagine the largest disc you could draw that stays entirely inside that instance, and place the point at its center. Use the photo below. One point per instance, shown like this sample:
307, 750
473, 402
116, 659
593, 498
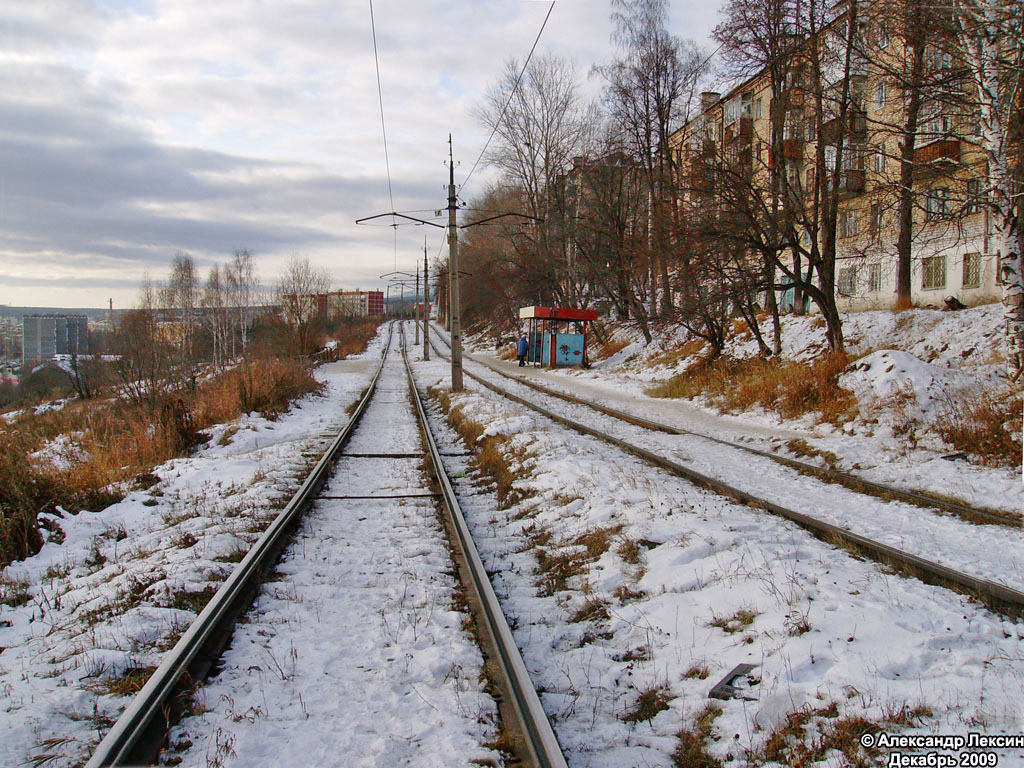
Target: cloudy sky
131, 130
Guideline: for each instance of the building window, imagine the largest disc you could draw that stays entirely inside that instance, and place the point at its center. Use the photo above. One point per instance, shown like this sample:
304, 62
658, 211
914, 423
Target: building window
974, 202
809, 181
848, 224
847, 281
757, 109
876, 217
936, 204
883, 36
933, 272
881, 93
878, 159
875, 278
972, 270
812, 131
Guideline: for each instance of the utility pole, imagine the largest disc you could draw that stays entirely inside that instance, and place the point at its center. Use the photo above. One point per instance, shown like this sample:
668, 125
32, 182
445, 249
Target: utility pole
426, 302
416, 313
453, 275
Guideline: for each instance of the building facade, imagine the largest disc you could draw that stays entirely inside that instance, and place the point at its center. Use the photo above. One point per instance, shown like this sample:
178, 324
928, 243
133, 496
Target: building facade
951, 245
44, 336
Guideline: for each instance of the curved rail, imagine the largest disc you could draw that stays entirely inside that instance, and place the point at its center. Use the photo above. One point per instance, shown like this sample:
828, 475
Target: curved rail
997, 596
852, 482
137, 735
539, 737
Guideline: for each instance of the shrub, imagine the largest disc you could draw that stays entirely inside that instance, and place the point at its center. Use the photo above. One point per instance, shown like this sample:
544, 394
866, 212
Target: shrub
788, 387
984, 427
119, 441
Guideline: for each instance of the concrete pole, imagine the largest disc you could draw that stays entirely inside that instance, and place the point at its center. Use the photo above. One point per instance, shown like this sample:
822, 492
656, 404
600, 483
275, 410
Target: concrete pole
416, 313
426, 303
453, 275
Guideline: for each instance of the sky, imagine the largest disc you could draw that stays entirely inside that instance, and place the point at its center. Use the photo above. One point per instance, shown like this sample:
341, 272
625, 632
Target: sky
132, 130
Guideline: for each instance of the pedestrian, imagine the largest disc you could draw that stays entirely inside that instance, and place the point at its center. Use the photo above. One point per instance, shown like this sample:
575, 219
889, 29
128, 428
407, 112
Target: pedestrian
521, 347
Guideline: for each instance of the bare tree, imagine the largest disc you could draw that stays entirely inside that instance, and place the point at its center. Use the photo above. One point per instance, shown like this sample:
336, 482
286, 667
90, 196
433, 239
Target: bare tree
648, 92
990, 44
143, 360
299, 289
241, 285
540, 126
216, 315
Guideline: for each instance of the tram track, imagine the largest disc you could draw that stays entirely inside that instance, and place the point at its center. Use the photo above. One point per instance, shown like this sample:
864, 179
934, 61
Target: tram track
1000, 597
374, 446
846, 479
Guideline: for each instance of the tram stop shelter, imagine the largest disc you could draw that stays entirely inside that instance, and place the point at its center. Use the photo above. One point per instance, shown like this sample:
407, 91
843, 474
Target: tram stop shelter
557, 335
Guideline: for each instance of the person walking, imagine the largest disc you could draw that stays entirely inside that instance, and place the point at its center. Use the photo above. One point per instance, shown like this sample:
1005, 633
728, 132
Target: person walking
521, 348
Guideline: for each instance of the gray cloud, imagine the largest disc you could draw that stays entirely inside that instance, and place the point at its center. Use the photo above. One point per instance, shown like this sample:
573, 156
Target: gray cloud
130, 130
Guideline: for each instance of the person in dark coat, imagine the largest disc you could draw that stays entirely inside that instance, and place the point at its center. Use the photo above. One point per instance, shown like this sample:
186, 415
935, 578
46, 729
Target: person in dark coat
521, 348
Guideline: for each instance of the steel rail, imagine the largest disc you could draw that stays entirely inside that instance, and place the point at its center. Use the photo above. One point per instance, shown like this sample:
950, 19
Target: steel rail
997, 596
846, 479
540, 739
137, 735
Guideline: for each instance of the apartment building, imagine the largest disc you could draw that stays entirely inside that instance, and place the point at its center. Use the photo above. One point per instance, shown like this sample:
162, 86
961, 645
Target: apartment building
44, 336
951, 253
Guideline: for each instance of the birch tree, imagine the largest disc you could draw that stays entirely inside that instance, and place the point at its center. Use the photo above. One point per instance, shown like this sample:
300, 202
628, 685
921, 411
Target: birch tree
989, 37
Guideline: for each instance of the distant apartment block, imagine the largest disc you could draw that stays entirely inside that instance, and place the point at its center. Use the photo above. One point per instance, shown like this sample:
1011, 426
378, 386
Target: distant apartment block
10, 338
44, 336
343, 303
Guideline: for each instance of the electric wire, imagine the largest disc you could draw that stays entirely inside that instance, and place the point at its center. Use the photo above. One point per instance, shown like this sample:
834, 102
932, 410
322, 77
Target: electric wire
510, 97
383, 128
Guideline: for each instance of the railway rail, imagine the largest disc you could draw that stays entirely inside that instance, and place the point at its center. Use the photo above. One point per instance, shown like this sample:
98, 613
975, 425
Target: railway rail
853, 482
139, 733
997, 596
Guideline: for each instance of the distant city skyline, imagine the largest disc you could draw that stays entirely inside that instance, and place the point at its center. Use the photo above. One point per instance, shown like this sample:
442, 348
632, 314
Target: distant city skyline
131, 130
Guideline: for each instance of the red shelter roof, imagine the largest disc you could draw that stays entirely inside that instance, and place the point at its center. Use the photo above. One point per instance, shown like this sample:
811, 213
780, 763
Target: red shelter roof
557, 313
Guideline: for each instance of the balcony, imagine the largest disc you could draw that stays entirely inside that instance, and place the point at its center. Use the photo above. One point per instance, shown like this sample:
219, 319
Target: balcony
936, 157
856, 127
742, 128
792, 149
851, 182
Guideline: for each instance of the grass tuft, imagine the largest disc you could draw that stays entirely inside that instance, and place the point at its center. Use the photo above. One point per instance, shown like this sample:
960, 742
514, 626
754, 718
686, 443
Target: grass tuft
985, 428
787, 387
649, 703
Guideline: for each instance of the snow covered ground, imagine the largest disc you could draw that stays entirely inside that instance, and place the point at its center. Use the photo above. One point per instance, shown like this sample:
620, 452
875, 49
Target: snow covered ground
356, 656
126, 581
929, 357
625, 584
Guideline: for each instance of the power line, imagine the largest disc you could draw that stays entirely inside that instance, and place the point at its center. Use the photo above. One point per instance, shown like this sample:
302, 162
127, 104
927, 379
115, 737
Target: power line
383, 129
510, 96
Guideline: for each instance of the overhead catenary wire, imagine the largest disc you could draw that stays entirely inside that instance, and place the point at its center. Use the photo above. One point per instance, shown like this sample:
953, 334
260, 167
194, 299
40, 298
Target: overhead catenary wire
510, 96
383, 127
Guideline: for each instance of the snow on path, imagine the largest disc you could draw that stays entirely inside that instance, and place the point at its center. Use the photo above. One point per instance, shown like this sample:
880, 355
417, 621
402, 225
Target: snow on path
710, 584
356, 655
125, 582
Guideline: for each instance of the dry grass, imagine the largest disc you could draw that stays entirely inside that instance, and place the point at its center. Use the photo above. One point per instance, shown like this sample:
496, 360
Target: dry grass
788, 387
692, 750
671, 357
494, 455
129, 683
649, 703
984, 428
559, 563
591, 610
803, 449
611, 347
13, 592
117, 444
739, 621
808, 735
